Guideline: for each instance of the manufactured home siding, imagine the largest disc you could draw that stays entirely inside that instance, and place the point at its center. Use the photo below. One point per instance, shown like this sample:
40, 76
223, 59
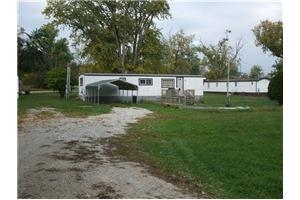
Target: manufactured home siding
192, 83
236, 86
147, 92
262, 85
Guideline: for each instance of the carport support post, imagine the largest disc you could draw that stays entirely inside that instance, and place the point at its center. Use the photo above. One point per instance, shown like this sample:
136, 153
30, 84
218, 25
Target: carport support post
86, 95
94, 96
98, 92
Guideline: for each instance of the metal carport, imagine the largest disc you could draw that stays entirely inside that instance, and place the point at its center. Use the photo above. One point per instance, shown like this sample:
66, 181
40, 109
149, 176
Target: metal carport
93, 90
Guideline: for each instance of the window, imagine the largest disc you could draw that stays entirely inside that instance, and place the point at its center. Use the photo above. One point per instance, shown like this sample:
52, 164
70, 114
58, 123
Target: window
235, 83
251, 82
145, 81
81, 81
208, 85
167, 83
217, 84
123, 79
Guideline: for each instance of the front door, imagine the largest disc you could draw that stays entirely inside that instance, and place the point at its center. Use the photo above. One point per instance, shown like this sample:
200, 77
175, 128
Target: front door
180, 84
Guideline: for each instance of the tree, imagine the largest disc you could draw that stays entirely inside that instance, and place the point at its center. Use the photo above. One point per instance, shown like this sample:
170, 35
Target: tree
269, 35
39, 52
218, 57
21, 41
56, 80
183, 54
153, 53
256, 72
275, 89
54, 53
112, 32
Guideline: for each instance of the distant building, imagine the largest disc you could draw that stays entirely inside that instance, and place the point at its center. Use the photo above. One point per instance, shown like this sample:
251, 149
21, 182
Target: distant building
250, 86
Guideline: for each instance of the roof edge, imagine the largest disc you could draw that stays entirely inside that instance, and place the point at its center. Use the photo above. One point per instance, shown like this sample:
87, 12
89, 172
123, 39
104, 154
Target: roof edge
153, 75
238, 80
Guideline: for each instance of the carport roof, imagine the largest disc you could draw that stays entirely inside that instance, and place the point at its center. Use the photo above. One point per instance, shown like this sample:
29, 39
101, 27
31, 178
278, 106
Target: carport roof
123, 85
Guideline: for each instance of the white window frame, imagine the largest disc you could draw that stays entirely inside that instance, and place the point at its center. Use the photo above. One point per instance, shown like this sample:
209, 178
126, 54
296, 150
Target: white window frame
167, 83
145, 81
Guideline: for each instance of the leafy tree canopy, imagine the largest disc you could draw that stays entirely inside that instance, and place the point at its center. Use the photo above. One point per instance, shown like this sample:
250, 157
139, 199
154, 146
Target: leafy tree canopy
112, 32
183, 54
269, 35
40, 51
217, 58
256, 72
275, 89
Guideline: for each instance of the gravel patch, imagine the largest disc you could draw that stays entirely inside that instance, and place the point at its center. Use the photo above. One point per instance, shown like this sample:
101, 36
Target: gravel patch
62, 157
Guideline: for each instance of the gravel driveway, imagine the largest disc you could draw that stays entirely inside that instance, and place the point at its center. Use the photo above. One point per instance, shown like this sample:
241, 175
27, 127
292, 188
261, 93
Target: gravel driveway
63, 157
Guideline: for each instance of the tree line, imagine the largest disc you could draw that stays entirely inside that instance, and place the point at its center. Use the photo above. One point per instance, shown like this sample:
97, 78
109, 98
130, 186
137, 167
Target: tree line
122, 37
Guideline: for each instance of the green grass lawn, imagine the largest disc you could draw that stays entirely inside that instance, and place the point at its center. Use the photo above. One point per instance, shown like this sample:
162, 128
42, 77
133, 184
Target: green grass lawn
226, 154
71, 107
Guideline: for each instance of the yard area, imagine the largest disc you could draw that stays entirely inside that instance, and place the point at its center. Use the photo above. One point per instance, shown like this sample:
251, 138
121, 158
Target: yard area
71, 107
226, 154
221, 154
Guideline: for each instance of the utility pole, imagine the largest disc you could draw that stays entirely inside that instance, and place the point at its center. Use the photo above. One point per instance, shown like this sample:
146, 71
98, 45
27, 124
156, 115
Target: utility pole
228, 73
68, 86
228, 104
123, 56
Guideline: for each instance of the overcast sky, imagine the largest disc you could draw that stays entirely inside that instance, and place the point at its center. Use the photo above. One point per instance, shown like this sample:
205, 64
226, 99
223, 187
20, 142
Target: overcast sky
206, 20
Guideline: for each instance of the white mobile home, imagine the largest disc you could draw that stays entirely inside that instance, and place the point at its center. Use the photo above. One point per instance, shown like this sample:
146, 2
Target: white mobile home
250, 86
101, 87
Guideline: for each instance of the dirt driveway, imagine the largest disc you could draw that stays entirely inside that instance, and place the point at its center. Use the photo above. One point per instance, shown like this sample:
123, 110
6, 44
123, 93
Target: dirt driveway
63, 157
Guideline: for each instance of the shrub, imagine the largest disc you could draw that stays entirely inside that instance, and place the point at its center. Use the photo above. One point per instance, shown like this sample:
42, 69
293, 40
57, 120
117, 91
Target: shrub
56, 80
275, 89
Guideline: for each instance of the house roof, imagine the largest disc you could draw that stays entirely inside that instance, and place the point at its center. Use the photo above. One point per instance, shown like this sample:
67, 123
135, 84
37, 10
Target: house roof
238, 80
142, 75
123, 85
